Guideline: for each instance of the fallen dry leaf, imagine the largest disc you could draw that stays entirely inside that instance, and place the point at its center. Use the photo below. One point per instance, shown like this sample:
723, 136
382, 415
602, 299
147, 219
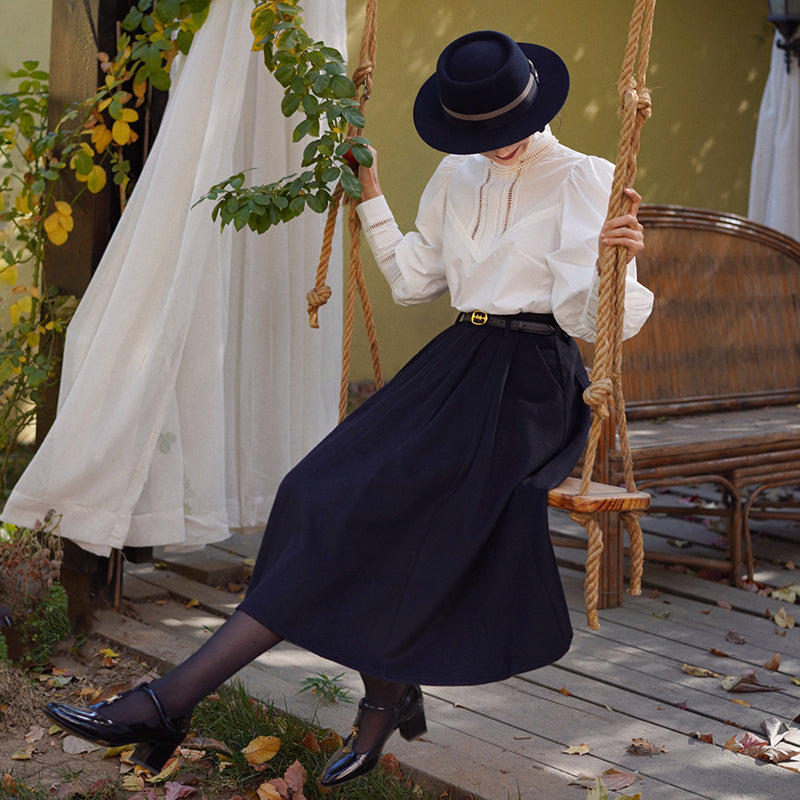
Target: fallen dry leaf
735, 638
34, 734
73, 745
207, 743
176, 791
268, 791
642, 747
783, 619
740, 702
261, 749
167, 771
720, 653
699, 672
746, 682
577, 750
708, 738
23, 753
309, 741
390, 765
788, 594
773, 664
295, 777
193, 603
724, 604
613, 779
565, 691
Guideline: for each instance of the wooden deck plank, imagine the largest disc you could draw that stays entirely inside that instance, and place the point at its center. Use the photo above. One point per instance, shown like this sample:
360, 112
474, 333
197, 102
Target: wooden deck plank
624, 680
685, 767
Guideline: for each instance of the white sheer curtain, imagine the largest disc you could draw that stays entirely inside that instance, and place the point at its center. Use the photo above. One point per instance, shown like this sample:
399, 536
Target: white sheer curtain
191, 380
775, 174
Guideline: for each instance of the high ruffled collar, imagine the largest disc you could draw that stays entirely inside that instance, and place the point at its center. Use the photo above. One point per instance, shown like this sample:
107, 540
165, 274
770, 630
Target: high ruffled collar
542, 144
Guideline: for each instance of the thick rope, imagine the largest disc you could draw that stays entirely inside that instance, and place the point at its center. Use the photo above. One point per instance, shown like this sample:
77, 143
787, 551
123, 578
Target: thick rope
606, 387
319, 295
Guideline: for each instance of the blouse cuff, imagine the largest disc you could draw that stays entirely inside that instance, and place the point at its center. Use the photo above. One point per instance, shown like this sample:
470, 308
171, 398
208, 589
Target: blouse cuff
382, 234
589, 316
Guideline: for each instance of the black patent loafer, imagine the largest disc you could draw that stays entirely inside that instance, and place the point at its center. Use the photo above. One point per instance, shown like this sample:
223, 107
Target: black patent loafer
408, 716
156, 739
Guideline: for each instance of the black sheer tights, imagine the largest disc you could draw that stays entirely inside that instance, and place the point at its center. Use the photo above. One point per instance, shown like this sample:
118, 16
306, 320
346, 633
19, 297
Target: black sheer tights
239, 641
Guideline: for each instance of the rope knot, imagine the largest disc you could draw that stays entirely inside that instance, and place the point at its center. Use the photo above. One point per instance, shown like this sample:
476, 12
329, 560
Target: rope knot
317, 298
644, 106
596, 396
363, 75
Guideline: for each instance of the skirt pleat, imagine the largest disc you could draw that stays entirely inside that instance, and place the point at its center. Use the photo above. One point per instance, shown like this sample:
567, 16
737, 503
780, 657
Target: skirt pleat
412, 543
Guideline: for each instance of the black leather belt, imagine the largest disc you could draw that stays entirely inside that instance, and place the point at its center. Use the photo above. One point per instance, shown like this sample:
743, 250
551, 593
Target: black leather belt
513, 323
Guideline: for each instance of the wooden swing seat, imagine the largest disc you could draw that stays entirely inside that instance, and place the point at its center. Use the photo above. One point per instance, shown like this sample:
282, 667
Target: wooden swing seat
602, 497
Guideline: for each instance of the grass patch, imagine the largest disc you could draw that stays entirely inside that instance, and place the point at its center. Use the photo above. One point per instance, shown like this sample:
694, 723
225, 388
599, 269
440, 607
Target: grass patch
236, 719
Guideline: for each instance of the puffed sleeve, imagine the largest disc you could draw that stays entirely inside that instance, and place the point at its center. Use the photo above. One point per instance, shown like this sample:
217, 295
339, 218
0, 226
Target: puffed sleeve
573, 264
412, 264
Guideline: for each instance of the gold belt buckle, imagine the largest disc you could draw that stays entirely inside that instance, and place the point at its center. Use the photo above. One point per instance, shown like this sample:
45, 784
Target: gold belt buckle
479, 318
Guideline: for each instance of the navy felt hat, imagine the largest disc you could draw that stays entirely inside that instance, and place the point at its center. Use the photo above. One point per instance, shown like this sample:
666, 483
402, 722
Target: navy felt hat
488, 92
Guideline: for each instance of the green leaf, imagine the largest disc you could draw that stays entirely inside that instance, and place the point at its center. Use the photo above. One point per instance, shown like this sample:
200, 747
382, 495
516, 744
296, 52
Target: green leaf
132, 20
351, 184
317, 202
311, 105
160, 80
303, 129
342, 87
290, 104
361, 154
285, 74
321, 83
167, 10
184, 41
354, 116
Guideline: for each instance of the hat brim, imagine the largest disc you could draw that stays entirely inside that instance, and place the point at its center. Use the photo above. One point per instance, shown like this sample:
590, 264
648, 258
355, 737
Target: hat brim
442, 133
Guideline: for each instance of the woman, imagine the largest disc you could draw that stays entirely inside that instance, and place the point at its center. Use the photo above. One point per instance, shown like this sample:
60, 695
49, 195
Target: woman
412, 544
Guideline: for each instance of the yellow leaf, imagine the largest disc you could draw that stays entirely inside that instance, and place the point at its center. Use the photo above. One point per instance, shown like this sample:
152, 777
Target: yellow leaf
2, 202
121, 132
784, 620
22, 204
261, 749
169, 769
58, 236
96, 180
577, 750
53, 222
132, 782
9, 274
22, 306
101, 138
193, 603
740, 702
64, 208
23, 754
267, 791
107, 651
32, 339
129, 115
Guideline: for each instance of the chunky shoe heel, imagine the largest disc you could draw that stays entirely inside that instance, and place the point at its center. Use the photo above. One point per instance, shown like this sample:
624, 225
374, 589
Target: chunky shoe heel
153, 755
408, 716
414, 726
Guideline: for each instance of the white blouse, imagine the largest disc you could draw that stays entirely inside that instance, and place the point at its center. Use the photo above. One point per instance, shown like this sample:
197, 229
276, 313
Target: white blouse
507, 239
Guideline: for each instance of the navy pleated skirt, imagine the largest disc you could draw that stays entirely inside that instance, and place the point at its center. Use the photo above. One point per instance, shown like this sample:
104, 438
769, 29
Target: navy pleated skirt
412, 543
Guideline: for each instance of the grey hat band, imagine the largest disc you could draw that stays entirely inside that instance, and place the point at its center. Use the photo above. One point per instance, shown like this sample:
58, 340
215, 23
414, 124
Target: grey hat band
527, 94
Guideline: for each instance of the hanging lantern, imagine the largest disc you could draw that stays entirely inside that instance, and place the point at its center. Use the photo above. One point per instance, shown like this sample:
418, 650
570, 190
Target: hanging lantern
785, 16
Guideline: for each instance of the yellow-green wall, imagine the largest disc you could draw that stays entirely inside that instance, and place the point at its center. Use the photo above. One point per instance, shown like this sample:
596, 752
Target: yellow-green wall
709, 61
25, 35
